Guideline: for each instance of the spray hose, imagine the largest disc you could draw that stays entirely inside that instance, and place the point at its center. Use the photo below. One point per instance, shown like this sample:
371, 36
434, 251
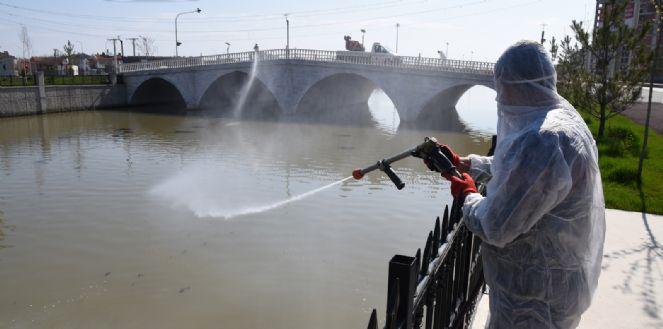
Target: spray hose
429, 150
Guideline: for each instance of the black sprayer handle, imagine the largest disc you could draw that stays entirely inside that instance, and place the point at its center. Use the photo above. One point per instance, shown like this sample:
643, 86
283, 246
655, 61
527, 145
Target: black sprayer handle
442, 164
392, 175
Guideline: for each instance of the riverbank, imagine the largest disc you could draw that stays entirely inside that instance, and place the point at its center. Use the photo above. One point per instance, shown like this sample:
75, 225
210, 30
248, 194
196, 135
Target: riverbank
17, 101
630, 291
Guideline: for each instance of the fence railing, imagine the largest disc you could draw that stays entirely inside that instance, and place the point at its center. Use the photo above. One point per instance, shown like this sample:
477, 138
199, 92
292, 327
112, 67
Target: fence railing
325, 56
31, 80
441, 287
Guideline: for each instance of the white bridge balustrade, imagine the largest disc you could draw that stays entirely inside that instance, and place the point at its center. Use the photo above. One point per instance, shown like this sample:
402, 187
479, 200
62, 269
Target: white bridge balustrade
415, 85
310, 55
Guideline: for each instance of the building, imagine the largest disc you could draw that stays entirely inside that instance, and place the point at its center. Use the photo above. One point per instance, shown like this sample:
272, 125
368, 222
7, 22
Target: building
53, 65
8, 64
638, 12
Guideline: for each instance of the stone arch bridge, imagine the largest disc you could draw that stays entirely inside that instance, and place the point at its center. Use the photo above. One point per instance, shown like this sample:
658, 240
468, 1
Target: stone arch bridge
414, 84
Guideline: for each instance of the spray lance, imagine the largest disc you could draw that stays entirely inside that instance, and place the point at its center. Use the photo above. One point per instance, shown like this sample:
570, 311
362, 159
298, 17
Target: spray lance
429, 150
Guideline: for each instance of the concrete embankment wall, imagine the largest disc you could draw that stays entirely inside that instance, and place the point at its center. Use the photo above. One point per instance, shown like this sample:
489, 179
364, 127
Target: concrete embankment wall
16, 101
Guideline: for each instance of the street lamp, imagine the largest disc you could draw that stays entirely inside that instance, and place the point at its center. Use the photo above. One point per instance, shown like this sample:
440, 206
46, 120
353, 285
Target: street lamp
287, 28
177, 42
227, 48
363, 32
397, 26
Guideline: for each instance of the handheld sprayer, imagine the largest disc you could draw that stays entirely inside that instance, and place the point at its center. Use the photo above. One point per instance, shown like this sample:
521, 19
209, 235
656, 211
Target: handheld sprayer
429, 150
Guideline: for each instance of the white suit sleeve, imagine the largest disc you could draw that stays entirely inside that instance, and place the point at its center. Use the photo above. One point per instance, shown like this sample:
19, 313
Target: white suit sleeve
532, 178
480, 167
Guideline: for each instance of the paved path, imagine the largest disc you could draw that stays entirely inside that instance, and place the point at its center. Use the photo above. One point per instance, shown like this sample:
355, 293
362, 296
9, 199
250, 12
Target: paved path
638, 113
630, 292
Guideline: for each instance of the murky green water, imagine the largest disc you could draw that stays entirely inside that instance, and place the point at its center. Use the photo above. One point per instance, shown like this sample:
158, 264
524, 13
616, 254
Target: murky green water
115, 220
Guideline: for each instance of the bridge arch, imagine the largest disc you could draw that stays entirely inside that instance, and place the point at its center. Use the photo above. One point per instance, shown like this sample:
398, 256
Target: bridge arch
439, 111
158, 94
237, 94
340, 97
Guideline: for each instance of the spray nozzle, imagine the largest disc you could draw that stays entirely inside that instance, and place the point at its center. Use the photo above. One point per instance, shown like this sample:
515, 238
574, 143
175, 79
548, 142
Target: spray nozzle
429, 150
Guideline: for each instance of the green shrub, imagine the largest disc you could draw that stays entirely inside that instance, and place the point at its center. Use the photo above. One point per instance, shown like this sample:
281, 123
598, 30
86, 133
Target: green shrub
621, 141
623, 175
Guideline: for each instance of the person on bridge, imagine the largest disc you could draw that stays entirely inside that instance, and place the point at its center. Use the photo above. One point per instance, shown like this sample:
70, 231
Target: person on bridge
542, 219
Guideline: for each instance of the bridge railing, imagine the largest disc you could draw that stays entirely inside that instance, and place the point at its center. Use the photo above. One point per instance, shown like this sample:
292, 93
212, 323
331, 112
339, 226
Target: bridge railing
312, 55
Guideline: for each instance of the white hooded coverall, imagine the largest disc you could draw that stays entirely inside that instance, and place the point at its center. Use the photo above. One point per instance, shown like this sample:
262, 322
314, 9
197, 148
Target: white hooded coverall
542, 220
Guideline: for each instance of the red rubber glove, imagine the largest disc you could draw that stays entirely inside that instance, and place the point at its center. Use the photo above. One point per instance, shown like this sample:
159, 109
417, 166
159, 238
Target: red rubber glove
461, 187
449, 153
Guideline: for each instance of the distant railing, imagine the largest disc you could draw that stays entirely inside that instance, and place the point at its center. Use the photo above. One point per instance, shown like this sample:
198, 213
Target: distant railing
324, 56
31, 80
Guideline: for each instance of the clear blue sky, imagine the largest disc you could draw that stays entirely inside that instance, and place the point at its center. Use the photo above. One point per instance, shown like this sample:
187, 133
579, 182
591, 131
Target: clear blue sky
477, 29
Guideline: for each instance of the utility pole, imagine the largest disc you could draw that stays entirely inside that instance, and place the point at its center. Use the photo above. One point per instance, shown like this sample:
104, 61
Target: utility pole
121, 46
177, 42
133, 45
114, 50
652, 73
543, 33
397, 26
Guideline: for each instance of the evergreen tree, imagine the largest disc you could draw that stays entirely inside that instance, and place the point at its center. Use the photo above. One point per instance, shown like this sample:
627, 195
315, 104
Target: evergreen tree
605, 69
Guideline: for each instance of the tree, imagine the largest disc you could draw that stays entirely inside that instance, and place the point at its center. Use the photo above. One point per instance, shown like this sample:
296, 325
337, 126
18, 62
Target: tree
146, 46
554, 48
68, 50
617, 63
571, 73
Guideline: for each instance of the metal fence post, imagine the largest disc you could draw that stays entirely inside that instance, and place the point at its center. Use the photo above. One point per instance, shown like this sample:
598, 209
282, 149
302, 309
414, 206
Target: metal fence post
405, 270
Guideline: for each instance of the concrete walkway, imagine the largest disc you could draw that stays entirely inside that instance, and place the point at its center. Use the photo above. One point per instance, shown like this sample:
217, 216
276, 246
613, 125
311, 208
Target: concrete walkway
630, 292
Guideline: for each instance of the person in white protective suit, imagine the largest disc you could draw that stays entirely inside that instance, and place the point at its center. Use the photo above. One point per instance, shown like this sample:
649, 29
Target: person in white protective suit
542, 219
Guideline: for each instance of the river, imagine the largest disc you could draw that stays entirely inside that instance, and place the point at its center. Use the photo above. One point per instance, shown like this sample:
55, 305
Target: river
123, 219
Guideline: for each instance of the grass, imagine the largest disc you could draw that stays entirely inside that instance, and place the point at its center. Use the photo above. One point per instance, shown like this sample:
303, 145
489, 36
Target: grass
618, 160
12, 81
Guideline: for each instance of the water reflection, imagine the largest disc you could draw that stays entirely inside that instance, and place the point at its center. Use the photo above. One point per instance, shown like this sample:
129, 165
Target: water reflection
93, 245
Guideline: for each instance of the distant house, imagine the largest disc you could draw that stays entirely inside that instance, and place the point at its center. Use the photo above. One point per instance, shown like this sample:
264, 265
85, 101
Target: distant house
50, 65
8, 64
85, 63
53, 65
104, 63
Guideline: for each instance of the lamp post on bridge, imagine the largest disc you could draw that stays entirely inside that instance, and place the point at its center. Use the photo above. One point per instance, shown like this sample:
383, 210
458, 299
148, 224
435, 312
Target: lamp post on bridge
227, 48
287, 36
177, 42
397, 26
447, 53
363, 32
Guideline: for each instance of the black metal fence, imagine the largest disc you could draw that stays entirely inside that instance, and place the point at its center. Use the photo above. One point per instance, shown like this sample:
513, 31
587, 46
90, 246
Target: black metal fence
31, 80
440, 288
